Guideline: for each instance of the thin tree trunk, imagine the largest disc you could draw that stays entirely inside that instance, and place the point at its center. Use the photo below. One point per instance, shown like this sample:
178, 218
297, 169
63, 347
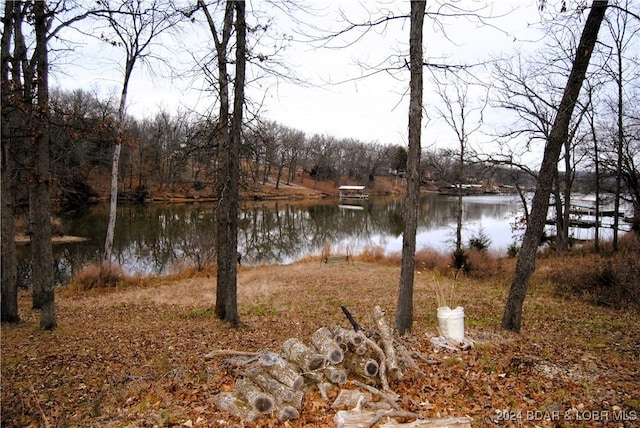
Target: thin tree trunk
620, 142
561, 236
404, 313
113, 202
525, 265
596, 157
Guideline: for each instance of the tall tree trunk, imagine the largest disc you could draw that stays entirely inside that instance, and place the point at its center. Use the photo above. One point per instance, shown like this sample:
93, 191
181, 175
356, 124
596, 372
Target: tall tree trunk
9, 283
596, 157
229, 134
39, 198
525, 265
404, 313
459, 210
619, 145
115, 162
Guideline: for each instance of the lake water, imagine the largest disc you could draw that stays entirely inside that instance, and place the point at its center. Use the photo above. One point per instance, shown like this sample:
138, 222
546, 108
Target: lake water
162, 238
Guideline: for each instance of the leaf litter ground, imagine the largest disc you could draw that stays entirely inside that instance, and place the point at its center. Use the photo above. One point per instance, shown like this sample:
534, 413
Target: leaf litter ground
135, 356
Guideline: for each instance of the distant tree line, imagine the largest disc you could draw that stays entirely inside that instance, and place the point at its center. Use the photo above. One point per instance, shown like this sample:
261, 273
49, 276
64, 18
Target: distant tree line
175, 153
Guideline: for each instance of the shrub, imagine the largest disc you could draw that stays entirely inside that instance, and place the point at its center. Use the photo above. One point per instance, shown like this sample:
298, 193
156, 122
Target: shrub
608, 279
427, 259
375, 255
96, 275
481, 264
513, 249
459, 260
480, 242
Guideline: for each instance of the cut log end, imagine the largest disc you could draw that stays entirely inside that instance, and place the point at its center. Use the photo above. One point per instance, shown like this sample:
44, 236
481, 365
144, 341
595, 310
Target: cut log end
263, 404
315, 363
335, 356
371, 368
288, 413
335, 375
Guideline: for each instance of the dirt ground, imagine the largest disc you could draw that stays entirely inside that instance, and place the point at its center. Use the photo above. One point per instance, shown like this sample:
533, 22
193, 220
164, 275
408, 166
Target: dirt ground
135, 356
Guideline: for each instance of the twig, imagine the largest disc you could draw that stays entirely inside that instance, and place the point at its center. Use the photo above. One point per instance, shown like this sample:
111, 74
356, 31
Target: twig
375, 391
408, 361
352, 320
44, 416
225, 352
395, 414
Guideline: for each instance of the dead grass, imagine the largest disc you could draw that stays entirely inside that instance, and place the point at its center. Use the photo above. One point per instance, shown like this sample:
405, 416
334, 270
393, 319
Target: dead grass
134, 355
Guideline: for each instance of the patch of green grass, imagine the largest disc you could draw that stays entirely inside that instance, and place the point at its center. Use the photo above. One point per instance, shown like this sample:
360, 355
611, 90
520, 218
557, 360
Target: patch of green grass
336, 303
262, 309
634, 403
488, 364
451, 361
480, 322
594, 344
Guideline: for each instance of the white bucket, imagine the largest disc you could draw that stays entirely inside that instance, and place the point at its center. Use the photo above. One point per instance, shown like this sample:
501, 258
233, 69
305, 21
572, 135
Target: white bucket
451, 322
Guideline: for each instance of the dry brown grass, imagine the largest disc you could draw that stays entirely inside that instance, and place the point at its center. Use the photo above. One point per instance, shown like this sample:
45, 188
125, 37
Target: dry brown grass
134, 355
97, 275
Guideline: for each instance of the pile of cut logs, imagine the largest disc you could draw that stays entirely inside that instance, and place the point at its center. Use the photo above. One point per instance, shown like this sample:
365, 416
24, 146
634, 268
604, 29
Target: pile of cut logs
271, 383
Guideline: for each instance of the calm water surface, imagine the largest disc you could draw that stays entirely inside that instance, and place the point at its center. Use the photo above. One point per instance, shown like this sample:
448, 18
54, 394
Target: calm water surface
160, 238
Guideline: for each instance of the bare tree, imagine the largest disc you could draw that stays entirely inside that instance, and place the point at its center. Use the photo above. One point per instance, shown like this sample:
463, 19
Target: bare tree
39, 196
529, 89
25, 116
135, 25
512, 318
9, 298
228, 135
458, 113
404, 313
623, 34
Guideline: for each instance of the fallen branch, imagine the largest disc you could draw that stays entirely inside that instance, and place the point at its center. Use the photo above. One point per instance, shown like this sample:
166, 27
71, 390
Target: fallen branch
375, 391
382, 372
386, 337
230, 352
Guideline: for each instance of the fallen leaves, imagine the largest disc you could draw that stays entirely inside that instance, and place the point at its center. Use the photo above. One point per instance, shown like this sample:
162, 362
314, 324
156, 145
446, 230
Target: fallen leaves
132, 358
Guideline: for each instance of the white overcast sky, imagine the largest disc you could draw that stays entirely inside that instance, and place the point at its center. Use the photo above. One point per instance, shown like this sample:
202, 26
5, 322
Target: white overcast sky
371, 110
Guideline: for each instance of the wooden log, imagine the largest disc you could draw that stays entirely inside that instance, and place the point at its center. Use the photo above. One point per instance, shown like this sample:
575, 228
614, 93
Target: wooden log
431, 423
386, 337
306, 358
367, 418
335, 375
360, 349
260, 401
229, 402
350, 398
287, 413
346, 338
269, 358
361, 365
323, 341
313, 377
282, 370
280, 392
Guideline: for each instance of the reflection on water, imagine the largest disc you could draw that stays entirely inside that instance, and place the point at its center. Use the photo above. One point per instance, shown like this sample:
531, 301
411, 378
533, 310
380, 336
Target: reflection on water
155, 239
